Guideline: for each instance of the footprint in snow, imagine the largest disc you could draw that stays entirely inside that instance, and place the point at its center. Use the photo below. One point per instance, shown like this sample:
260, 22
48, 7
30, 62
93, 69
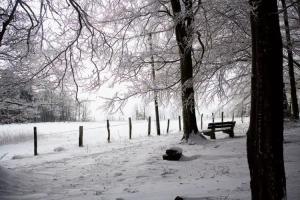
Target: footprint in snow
118, 174
121, 179
130, 190
97, 193
168, 171
59, 149
142, 176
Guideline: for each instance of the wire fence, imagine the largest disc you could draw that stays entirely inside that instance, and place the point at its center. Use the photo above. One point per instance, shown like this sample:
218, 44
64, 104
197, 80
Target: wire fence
49, 137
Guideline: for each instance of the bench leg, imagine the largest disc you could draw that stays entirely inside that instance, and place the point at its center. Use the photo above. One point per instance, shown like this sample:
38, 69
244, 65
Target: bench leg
213, 135
231, 134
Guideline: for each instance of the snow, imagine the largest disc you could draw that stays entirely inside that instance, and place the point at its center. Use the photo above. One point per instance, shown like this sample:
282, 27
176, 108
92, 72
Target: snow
133, 169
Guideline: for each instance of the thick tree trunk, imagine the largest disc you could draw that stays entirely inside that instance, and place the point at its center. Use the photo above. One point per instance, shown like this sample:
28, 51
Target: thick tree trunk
265, 135
294, 99
183, 28
188, 101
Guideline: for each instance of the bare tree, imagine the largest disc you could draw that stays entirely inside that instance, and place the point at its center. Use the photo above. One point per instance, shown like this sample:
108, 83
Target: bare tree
294, 98
184, 19
53, 40
154, 85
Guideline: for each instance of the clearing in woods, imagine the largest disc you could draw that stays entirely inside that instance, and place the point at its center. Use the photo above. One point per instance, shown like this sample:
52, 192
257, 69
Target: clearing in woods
134, 169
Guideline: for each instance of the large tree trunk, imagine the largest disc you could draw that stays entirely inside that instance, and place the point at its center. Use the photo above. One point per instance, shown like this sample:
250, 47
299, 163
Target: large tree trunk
294, 99
265, 135
183, 29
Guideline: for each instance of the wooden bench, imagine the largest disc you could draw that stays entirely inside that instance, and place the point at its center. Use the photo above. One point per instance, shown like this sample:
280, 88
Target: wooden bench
226, 127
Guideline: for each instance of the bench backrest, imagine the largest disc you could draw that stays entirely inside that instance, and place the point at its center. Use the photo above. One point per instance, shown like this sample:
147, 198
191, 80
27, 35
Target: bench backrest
221, 125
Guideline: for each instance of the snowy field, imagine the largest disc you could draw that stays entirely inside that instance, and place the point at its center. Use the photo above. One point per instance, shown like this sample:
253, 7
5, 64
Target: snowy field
130, 169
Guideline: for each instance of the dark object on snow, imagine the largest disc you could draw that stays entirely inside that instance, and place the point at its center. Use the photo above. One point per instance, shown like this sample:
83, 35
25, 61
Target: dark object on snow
108, 131
226, 127
130, 128
173, 153
80, 136
178, 198
35, 140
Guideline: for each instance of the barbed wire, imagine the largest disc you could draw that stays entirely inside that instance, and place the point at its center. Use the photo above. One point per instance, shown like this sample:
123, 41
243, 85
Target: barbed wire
92, 128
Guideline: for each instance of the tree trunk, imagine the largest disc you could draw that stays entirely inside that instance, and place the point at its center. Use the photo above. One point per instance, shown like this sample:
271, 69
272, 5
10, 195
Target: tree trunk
294, 99
183, 29
286, 108
265, 134
296, 7
155, 89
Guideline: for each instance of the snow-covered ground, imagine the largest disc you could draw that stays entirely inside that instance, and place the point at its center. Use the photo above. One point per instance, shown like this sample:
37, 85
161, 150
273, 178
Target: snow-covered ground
132, 169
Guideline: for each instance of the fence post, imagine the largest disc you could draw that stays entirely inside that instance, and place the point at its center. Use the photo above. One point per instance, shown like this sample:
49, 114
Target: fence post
168, 126
242, 113
242, 116
149, 126
35, 140
213, 117
202, 121
179, 119
222, 117
108, 131
233, 116
130, 128
80, 136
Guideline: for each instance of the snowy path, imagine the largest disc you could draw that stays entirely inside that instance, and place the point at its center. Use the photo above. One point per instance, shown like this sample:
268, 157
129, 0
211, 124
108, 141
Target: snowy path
135, 170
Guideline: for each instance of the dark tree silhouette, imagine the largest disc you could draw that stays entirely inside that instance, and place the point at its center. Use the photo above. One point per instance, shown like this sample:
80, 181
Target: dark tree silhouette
294, 98
265, 134
183, 29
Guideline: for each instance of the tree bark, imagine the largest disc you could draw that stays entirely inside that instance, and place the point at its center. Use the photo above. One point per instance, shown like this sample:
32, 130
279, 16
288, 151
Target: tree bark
183, 31
294, 99
265, 134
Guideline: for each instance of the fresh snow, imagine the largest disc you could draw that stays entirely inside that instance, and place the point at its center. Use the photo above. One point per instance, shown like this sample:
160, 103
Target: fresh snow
131, 169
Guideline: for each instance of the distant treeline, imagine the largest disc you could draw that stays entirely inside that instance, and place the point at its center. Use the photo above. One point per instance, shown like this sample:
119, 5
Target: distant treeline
20, 103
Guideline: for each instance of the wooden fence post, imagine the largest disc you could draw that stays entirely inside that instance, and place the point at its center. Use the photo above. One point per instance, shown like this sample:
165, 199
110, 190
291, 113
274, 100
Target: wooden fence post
168, 126
213, 117
35, 140
149, 126
108, 131
130, 128
233, 116
222, 117
242, 116
80, 136
179, 119
201, 121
